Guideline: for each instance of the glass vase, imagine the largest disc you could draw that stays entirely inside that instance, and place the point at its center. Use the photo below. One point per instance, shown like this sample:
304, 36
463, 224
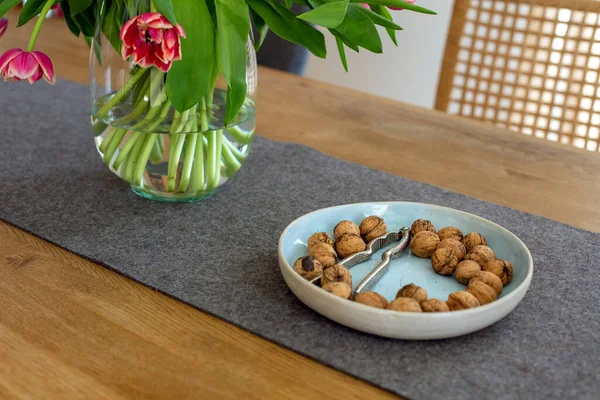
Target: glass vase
164, 154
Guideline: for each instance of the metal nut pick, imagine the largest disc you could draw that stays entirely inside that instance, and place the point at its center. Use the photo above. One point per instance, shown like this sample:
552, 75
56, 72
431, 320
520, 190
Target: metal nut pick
377, 273
372, 247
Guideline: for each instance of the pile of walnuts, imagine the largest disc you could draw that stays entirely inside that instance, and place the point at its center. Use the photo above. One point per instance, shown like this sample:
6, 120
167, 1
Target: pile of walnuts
323, 253
468, 257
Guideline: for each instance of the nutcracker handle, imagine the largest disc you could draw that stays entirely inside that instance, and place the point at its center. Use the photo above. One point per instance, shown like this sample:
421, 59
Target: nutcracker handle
377, 273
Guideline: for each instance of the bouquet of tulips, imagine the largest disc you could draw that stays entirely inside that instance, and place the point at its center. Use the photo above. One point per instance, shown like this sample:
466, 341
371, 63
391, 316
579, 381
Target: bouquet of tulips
176, 50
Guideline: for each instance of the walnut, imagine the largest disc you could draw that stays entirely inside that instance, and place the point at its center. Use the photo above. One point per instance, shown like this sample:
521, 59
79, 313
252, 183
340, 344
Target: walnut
461, 301
444, 261
320, 237
349, 244
434, 305
371, 227
465, 271
413, 291
450, 232
372, 299
308, 267
424, 243
473, 239
481, 255
459, 249
501, 268
485, 294
421, 225
345, 227
339, 289
336, 273
324, 253
404, 304
489, 279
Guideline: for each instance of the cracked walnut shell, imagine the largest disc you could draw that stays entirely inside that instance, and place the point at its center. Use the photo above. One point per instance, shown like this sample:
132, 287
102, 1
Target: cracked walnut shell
434, 305
412, 291
339, 289
372, 299
344, 227
424, 243
349, 244
483, 293
421, 225
324, 253
405, 304
308, 267
336, 273
444, 261
489, 279
320, 237
372, 227
466, 270
459, 249
473, 239
461, 301
501, 268
450, 232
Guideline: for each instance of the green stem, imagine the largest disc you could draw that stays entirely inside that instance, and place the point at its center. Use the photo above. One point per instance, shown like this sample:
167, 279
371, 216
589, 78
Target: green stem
186, 171
118, 96
144, 153
133, 158
241, 157
114, 144
232, 164
106, 141
239, 135
38, 24
142, 159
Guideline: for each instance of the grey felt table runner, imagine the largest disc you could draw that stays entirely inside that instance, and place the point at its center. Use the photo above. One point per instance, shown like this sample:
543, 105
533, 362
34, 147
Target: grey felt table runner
220, 255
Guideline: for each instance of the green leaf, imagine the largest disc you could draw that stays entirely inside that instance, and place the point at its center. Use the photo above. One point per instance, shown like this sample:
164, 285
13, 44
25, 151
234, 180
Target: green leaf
68, 19
288, 3
31, 9
285, 24
329, 15
165, 7
360, 30
396, 3
233, 28
379, 20
344, 40
340, 46
111, 24
189, 78
384, 12
86, 21
77, 6
262, 28
7, 5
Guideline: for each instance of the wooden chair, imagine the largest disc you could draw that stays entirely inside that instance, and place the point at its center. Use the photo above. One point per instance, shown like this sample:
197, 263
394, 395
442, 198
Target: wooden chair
527, 65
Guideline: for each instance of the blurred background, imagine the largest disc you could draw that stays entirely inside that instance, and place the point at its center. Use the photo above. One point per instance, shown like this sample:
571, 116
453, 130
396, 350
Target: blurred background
411, 70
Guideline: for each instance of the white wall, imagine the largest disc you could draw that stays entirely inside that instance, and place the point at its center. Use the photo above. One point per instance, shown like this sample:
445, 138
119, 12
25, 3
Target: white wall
408, 72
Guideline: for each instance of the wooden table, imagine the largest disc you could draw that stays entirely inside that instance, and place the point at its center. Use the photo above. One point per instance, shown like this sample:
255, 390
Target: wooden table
71, 328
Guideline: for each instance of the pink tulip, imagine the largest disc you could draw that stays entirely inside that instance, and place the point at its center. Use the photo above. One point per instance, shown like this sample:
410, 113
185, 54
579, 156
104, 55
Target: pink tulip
19, 65
150, 39
407, 1
3, 25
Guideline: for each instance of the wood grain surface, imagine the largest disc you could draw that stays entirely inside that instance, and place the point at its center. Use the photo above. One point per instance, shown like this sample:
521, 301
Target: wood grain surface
70, 328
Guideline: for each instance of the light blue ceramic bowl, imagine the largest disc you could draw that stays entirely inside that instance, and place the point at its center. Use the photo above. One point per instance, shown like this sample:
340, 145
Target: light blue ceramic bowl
404, 270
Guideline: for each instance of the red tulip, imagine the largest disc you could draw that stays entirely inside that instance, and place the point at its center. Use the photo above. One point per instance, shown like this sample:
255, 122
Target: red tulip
3, 25
19, 65
397, 8
150, 39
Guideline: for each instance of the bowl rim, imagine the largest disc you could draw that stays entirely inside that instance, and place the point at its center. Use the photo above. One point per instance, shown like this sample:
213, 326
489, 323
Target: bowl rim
506, 300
